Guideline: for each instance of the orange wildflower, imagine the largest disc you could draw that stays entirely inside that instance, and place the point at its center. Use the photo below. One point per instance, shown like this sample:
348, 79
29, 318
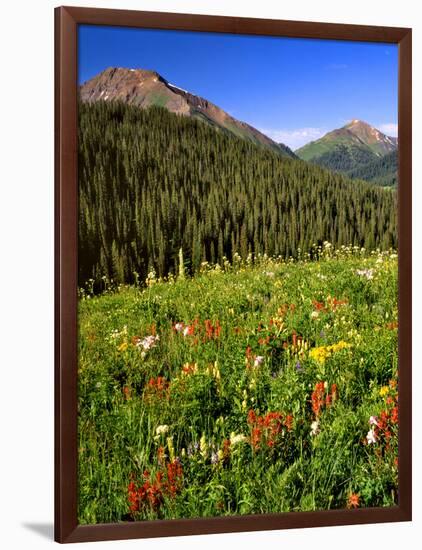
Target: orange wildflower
353, 501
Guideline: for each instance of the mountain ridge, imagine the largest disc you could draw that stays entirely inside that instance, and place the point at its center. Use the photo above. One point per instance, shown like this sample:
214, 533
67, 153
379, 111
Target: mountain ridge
355, 148
145, 88
357, 132
350, 148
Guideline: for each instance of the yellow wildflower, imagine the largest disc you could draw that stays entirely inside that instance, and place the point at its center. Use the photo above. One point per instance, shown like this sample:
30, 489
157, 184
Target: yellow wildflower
321, 354
213, 370
170, 448
203, 446
123, 347
339, 346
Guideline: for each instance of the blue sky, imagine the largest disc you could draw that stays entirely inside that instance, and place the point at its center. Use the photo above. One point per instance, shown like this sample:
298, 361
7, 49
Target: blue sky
292, 89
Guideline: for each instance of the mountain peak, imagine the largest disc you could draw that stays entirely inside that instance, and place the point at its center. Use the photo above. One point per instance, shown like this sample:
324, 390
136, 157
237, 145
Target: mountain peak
145, 88
116, 74
371, 136
356, 122
127, 70
350, 147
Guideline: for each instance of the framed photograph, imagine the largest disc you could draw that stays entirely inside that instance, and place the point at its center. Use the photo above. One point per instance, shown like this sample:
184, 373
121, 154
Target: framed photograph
233, 274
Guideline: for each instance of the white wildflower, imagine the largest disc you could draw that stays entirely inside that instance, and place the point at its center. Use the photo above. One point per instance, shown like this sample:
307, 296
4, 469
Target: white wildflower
178, 327
237, 438
162, 429
314, 427
370, 437
148, 342
368, 273
214, 457
115, 334
259, 359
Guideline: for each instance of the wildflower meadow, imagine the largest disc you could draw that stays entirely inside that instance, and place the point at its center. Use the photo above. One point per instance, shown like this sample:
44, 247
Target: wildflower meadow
257, 386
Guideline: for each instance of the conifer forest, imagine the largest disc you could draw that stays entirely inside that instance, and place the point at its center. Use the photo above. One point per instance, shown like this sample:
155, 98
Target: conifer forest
152, 182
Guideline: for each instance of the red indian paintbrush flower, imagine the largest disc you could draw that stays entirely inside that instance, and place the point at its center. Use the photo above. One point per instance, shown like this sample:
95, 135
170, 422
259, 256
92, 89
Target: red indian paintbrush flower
157, 388
353, 501
167, 482
266, 429
320, 398
317, 398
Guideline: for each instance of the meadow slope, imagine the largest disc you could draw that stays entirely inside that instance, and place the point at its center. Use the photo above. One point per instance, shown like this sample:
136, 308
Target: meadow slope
257, 387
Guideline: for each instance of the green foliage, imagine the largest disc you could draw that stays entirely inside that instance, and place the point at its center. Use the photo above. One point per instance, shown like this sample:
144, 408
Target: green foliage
152, 183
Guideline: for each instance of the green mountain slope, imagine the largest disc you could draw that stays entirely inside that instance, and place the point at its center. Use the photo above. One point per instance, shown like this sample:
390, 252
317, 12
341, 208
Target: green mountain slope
287, 151
144, 88
382, 171
152, 182
343, 157
348, 148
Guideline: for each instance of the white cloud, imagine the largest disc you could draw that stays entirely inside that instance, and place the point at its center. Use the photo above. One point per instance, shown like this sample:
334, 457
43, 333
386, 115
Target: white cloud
294, 138
389, 128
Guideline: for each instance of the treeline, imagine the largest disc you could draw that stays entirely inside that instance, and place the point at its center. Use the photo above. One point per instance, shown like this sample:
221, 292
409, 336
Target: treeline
151, 182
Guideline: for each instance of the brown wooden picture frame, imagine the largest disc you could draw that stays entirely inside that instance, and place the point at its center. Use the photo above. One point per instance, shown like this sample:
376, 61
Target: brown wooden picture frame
67, 20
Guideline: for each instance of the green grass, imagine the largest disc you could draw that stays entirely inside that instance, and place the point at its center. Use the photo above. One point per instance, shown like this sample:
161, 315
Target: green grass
253, 331
158, 99
329, 144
